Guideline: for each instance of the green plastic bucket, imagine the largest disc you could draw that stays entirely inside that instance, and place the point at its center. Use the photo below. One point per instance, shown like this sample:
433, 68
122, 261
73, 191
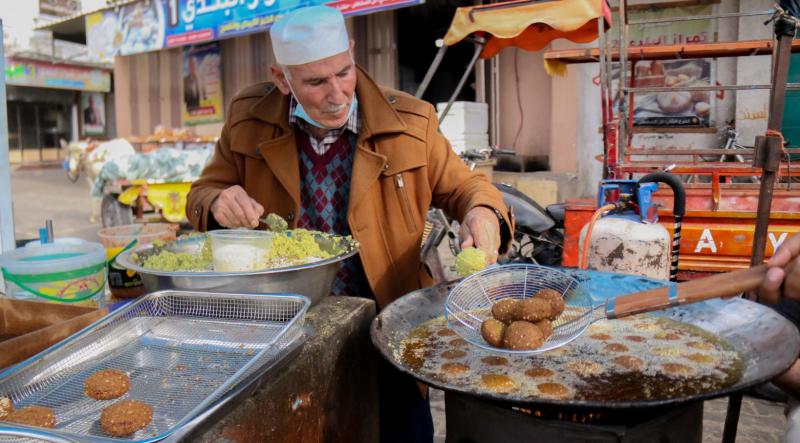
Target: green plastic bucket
63, 273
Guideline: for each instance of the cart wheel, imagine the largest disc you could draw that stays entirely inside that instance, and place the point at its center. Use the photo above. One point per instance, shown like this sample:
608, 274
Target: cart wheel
114, 213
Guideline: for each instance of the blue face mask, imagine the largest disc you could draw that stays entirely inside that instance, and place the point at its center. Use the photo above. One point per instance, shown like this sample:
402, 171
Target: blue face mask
300, 112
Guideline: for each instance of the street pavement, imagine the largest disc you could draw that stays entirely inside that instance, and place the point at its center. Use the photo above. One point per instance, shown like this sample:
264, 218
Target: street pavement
39, 194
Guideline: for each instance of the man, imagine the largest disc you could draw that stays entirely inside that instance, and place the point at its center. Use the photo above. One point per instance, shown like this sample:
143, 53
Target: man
330, 150
194, 88
90, 114
781, 288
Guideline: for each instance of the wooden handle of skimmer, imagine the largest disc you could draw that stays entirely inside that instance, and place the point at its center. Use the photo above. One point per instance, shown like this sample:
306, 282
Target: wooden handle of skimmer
693, 291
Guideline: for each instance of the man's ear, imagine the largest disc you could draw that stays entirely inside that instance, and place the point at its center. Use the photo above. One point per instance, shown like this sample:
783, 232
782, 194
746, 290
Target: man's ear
280, 80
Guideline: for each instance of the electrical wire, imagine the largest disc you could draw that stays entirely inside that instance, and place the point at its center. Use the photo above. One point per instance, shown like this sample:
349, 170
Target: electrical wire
519, 98
588, 238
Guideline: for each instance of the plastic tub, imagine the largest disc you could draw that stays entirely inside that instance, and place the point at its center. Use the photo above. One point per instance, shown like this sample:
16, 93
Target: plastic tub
239, 250
66, 273
122, 282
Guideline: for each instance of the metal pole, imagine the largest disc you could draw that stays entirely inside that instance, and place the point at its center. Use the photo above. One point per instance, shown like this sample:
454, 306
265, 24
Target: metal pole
432, 70
478, 50
784, 31
622, 136
653, 89
702, 17
603, 103
6, 215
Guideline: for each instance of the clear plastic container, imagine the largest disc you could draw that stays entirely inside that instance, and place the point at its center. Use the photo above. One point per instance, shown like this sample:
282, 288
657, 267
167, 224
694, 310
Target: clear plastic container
117, 237
57, 272
239, 250
122, 282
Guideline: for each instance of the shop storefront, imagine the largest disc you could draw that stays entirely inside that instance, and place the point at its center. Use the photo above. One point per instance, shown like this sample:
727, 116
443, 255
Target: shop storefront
178, 63
49, 102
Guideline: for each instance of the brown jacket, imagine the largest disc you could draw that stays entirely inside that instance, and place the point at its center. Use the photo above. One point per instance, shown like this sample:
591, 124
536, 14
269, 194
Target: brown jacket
402, 166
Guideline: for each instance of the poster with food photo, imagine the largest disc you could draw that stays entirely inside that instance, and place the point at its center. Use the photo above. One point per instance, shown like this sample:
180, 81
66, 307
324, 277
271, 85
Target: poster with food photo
676, 107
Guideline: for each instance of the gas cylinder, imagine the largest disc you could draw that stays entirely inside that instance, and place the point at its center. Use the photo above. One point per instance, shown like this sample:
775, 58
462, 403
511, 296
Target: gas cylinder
629, 239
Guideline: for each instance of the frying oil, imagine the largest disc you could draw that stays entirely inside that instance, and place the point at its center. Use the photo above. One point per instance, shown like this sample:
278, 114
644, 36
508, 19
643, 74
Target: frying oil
644, 357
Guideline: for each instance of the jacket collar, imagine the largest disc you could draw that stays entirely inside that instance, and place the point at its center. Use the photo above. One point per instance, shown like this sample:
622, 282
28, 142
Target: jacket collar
377, 114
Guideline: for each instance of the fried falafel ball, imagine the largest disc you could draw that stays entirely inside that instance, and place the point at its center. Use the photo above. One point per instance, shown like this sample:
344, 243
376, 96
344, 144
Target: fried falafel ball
532, 309
492, 331
522, 335
555, 299
545, 327
504, 310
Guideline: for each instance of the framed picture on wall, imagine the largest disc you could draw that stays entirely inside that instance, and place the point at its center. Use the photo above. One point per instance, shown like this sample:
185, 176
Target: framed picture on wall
93, 114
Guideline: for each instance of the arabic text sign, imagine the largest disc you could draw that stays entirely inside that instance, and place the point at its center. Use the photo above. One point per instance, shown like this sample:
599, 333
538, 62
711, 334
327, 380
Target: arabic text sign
192, 21
48, 75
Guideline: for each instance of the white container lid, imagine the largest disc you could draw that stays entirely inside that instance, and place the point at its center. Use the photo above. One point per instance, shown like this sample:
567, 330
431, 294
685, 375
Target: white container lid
53, 257
60, 240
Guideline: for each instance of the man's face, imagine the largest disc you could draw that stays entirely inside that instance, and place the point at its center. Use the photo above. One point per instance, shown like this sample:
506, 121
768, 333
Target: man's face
325, 88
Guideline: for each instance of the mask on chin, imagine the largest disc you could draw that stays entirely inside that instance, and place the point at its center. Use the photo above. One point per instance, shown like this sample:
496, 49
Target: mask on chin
300, 112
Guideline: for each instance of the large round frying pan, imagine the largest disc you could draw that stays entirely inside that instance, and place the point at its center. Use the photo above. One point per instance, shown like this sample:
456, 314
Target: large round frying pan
768, 343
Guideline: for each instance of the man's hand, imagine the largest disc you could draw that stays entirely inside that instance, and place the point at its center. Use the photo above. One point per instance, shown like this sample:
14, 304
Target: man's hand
481, 229
783, 277
235, 209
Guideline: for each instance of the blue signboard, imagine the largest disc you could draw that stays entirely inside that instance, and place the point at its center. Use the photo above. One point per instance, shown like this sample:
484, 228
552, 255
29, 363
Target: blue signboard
152, 25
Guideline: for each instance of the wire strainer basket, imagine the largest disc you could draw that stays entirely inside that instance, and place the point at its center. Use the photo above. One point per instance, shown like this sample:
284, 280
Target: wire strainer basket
470, 302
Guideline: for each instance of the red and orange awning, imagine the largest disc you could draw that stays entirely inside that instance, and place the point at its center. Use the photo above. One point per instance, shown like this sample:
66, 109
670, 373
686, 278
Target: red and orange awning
529, 24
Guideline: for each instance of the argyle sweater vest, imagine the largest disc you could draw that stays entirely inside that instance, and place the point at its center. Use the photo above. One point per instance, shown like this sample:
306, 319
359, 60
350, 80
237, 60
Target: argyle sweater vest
324, 194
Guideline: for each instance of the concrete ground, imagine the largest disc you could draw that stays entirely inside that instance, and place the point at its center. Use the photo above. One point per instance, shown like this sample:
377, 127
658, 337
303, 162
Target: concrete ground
39, 194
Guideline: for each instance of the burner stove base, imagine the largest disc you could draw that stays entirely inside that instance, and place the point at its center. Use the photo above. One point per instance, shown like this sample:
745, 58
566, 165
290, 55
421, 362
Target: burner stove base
472, 420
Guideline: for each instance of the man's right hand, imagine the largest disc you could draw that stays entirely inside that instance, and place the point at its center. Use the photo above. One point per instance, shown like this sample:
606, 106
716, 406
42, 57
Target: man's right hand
783, 277
233, 208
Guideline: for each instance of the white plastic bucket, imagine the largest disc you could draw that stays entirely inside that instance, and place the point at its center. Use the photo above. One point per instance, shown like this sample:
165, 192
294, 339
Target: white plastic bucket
56, 272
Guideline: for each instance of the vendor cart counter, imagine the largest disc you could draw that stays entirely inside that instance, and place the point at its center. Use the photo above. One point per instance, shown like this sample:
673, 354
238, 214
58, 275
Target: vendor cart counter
325, 392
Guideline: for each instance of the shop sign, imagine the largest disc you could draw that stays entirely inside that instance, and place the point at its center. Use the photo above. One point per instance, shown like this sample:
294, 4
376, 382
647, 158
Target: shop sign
152, 25
123, 30
202, 84
48, 75
190, 21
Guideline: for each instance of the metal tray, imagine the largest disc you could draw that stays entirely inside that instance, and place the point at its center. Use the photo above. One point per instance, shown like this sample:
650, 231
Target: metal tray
181, 350
313, 280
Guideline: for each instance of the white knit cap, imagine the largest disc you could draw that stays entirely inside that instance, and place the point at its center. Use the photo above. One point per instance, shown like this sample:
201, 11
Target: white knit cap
309, 34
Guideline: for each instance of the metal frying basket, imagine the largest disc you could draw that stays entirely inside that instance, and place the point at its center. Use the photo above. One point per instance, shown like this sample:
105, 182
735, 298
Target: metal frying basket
181, 351
470, 302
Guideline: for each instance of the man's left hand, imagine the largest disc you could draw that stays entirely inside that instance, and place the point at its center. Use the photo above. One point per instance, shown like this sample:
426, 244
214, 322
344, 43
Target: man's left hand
481, 229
